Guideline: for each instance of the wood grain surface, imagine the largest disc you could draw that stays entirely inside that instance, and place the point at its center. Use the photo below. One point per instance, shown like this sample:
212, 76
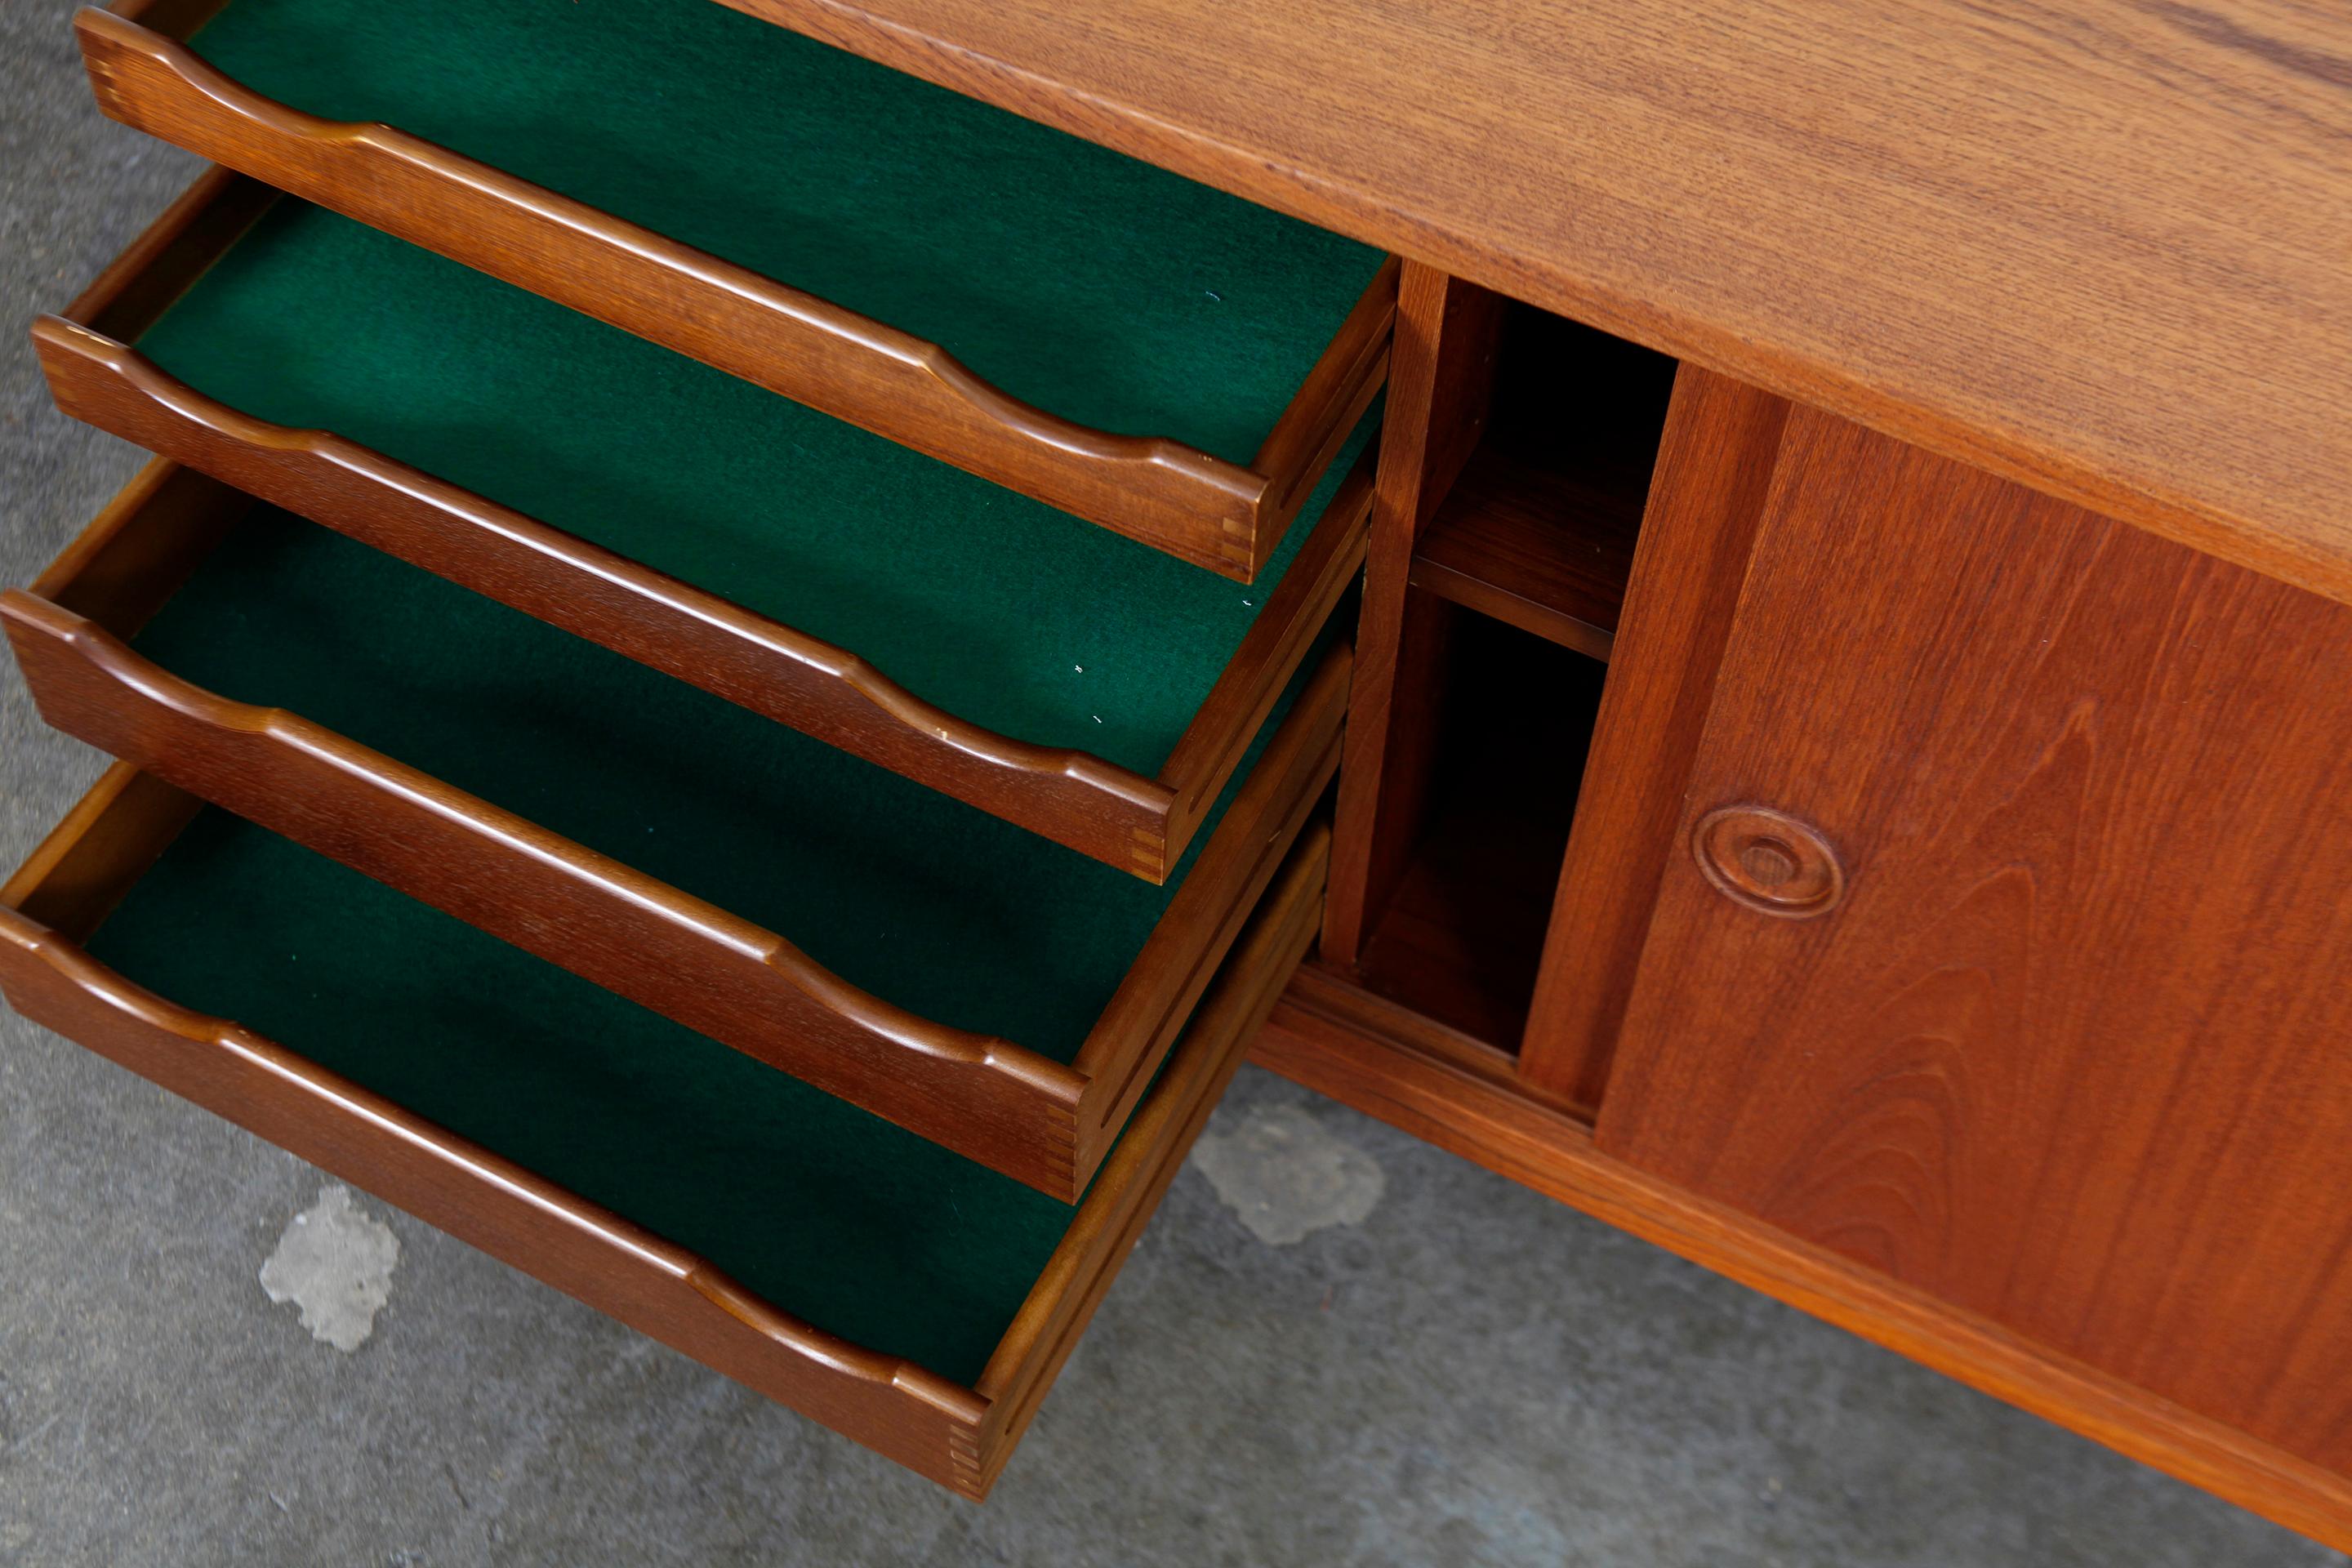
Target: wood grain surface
1716, 463
2099, 246
1441, 378
2070, 1055
956, 1436
1547, 557
1211, 512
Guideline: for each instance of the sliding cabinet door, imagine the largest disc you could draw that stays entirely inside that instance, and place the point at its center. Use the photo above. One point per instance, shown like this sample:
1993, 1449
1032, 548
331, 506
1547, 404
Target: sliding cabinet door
2006, 944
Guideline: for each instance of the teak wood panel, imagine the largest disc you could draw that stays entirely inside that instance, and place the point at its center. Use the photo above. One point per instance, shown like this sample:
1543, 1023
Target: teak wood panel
1464, 1097
1715, 466
1192, 505
2097, 247
1140, 824
1042, 1121
2070, 1052
1548, 557
960, 1437
1439, 389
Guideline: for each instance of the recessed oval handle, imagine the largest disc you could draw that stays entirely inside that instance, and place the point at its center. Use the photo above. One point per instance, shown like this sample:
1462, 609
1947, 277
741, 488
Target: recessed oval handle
1768, 861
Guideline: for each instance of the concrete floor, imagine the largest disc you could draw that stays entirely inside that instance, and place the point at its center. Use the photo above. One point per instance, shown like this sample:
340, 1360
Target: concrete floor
1466, 1374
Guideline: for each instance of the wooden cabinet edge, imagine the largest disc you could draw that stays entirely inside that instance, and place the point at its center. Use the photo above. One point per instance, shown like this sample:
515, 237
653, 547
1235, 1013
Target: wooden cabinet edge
1202, 920
1296, 614
1269, 951
1441, 377
1501, 1126
1337, 392
1715, 468
2305, 550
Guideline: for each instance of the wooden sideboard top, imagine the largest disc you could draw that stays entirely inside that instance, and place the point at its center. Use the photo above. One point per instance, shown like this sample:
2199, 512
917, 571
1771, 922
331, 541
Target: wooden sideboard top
2103, 247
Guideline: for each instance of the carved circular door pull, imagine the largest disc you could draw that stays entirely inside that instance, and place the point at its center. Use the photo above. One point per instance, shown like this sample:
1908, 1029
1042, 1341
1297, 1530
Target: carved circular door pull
1768, 861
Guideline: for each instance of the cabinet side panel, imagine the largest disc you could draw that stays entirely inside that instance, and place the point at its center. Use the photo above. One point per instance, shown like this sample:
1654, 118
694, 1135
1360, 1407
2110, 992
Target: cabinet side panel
1441, 379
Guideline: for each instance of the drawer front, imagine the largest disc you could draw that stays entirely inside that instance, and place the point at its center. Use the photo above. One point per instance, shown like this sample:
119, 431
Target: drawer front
1055, 1046
786, 157
986, 647
957, 1426
2001, 950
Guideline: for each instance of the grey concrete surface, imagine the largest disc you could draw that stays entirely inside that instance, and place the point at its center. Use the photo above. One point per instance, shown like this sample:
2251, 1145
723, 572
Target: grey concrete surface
1466, 1373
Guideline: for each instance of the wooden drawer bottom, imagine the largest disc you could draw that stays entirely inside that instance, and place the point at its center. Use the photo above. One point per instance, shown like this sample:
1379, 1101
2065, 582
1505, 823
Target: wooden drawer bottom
909, 1299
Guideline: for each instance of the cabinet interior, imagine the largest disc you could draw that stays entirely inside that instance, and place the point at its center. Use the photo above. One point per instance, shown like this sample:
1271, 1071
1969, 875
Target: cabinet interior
1514, 589
1463, 933
1538, 530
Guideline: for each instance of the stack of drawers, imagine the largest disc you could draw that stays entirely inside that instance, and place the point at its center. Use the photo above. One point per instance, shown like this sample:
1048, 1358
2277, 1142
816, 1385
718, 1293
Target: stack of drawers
629, 750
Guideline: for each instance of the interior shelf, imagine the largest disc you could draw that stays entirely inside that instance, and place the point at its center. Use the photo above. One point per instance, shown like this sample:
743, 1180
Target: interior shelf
1462, 936
1539, 529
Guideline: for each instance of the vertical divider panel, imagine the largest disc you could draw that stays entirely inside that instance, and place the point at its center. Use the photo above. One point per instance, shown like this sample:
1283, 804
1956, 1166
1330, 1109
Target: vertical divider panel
1441, 383
1715, 467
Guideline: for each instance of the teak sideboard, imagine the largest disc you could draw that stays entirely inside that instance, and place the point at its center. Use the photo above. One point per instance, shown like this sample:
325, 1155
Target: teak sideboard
1743, 614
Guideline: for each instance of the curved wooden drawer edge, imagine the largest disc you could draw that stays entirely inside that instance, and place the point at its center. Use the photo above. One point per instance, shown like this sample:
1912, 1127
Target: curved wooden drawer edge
1173, 497
1042, 1121
309, 784
1142, 825
957, 1435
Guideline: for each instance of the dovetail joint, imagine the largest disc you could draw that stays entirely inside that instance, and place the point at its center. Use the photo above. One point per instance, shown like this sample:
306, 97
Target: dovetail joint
963, 1460
1062, 1129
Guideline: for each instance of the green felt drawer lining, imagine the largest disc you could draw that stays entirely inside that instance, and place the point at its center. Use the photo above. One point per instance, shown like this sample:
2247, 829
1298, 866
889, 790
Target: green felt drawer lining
828, 1213
929, 903
1087, 282
1002, 611
1192, 315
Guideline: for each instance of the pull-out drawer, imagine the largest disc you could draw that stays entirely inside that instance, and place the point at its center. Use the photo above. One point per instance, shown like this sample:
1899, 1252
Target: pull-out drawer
906, 1297
1059, 676
941, 968
1163, 359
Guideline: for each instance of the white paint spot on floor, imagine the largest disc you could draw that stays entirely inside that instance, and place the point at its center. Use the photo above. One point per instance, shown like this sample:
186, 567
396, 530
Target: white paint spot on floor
1286, 1177
335, 1263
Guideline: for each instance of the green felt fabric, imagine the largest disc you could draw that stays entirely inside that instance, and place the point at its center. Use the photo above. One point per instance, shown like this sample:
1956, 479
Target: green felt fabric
834, 1215
1087, 282
1002, 611
922, 901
